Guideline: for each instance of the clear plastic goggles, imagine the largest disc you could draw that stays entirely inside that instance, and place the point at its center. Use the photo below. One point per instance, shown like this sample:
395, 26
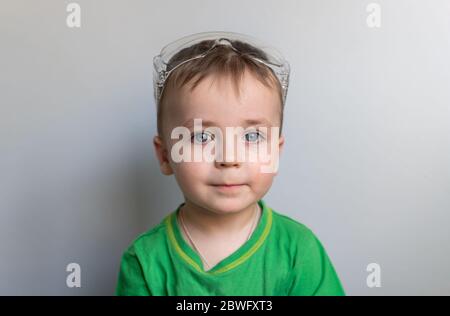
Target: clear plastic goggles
168, 60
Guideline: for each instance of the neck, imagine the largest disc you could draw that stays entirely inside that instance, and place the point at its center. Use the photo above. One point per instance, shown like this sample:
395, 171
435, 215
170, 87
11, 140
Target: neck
210, 223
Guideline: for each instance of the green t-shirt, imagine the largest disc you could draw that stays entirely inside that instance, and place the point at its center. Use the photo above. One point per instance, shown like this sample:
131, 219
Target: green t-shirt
282, 257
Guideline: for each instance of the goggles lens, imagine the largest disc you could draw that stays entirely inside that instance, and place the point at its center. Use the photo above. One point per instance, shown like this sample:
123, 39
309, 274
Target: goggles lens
183, 50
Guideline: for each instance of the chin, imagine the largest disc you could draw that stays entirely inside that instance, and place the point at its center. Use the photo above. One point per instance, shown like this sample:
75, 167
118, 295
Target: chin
226, 205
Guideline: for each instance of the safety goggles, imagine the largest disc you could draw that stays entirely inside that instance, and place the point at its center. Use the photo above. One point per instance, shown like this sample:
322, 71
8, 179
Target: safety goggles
169, 58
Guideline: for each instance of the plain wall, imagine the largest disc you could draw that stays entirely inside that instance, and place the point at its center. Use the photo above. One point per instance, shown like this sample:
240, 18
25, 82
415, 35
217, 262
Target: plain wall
365, 164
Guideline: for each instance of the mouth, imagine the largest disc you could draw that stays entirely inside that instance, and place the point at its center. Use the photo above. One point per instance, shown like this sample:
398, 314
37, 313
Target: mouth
228, 186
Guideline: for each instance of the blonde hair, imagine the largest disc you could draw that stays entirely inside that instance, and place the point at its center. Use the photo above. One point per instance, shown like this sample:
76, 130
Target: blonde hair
222, 60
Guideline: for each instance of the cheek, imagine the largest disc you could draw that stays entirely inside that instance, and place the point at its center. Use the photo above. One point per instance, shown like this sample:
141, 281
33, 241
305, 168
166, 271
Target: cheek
260, 181
190, 173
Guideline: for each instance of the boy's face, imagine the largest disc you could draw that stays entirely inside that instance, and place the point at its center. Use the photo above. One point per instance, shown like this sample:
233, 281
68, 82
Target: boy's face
222, 185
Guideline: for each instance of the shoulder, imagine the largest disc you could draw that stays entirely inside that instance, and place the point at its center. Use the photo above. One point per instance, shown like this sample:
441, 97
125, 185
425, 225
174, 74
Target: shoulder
290, 226
150, 241
297, 236
310, 269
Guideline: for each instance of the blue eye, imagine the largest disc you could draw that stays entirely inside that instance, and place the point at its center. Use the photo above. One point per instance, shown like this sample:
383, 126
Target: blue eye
253, 137
202, 138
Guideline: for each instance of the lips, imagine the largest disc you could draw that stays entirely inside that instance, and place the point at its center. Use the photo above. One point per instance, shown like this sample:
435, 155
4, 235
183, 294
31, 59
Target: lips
228, 187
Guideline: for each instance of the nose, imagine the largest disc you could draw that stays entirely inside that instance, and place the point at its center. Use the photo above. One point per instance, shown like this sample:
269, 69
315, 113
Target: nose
227, 164
230, 155
229, 158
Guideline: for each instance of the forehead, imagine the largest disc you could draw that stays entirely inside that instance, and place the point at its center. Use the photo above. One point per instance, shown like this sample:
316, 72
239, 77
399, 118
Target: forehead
216, 99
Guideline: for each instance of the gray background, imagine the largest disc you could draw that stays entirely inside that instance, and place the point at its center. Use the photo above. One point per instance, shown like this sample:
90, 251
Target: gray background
366, 161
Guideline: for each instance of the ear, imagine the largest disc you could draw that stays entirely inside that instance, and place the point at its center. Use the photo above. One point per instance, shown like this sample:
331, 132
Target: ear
162, 155
280, 144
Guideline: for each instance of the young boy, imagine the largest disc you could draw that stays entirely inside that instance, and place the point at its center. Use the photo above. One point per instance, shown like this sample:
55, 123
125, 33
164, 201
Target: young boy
223, 239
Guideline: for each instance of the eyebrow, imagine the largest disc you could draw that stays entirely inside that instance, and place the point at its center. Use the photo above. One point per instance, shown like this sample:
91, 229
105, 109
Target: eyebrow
246, 122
